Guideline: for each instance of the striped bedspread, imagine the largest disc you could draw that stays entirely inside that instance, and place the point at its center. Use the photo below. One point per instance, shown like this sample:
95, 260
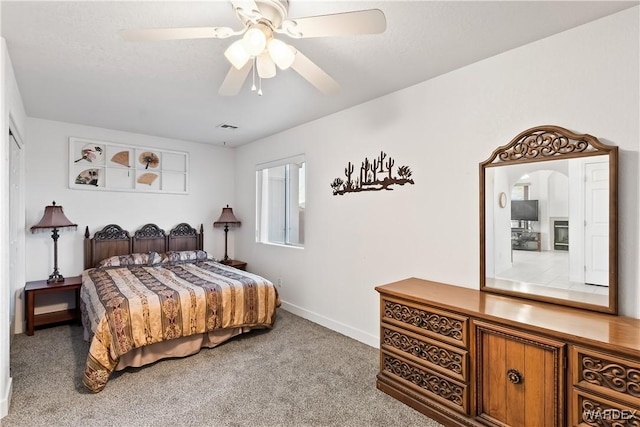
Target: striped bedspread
127, 307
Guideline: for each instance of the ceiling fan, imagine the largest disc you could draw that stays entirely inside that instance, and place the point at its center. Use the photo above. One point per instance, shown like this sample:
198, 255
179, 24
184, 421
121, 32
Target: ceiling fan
259, 50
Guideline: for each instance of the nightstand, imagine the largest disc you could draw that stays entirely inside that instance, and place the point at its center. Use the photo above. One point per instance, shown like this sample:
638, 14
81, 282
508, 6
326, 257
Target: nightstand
240, 265
42, 287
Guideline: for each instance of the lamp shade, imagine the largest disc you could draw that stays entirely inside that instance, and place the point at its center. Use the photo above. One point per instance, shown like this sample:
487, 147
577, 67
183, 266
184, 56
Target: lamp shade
254, 40
237, 55
227, 218
265, 65
53, 218
281, 54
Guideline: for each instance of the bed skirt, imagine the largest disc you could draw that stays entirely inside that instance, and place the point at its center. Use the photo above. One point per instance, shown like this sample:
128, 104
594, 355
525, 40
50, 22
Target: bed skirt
178, 347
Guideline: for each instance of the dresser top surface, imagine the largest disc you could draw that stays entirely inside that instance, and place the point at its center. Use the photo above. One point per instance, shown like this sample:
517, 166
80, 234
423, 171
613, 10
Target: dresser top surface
621, 332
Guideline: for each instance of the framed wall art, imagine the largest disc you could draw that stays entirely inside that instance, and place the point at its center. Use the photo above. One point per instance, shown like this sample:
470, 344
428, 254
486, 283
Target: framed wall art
106, 166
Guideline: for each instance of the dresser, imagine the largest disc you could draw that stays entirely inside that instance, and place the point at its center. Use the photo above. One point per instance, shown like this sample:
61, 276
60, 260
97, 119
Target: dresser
467, 358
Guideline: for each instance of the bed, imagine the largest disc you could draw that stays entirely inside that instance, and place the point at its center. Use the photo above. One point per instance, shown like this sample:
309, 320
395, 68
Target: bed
156, 295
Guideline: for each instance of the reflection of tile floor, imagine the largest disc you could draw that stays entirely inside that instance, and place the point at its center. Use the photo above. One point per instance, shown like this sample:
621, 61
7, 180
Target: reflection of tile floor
550, 268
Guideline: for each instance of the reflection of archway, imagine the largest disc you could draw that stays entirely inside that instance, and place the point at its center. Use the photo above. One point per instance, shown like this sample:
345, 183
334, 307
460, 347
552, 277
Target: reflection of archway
551, 188
559, 188
541, 265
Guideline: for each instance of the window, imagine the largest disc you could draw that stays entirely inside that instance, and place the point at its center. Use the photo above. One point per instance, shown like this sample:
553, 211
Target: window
280, 202
520, 192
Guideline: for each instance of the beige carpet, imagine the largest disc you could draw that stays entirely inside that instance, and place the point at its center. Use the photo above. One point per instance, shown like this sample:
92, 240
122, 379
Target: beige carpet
297, 374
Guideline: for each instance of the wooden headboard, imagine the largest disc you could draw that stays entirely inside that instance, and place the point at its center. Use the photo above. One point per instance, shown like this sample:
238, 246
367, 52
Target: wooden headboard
112, 240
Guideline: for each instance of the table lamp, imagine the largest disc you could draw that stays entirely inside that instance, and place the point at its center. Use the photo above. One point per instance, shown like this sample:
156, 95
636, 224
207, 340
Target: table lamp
54, 218
227, 219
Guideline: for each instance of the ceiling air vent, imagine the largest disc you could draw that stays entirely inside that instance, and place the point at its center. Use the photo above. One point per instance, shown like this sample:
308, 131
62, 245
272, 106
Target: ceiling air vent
227, 126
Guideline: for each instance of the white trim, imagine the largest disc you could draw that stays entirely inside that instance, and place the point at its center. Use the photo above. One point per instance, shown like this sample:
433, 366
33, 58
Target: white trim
5, 287
299, 158
16, 219
334, 325
282, 245
4, 402
15, 131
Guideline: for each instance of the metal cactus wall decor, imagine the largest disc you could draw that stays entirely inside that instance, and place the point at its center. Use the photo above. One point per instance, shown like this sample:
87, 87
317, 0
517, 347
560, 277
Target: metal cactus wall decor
375, 175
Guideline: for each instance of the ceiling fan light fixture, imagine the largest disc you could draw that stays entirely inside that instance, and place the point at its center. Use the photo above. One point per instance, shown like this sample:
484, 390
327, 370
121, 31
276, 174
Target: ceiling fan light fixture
254, 41
258, 52
237, 55
266, 67
281, 53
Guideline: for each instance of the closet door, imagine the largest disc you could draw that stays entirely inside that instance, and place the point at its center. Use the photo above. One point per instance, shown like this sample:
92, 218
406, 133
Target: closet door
16, 220
520, 378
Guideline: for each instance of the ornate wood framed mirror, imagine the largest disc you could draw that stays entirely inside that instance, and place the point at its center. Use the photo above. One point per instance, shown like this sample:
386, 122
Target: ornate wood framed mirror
556, 239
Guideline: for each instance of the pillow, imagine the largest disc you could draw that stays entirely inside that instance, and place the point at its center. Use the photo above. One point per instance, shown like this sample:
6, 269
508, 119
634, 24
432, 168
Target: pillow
120, 260
155, 258
175, 256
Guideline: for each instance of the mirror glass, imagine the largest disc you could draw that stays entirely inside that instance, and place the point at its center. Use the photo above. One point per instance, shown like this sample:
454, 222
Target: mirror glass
552, 239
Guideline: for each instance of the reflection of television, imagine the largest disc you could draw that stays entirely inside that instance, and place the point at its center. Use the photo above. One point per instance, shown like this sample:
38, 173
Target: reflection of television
524, 210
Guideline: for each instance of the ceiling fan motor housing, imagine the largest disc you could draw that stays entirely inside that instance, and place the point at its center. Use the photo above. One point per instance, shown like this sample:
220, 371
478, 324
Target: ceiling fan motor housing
272, 11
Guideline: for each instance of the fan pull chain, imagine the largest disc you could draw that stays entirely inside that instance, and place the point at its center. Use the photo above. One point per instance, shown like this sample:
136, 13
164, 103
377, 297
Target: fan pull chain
253, 76
253, 86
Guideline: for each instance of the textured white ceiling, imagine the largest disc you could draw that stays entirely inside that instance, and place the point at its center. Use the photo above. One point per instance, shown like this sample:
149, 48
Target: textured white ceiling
72, 65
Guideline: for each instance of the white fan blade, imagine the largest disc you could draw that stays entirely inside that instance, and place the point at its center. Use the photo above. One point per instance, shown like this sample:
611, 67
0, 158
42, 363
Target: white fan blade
247, 9
234, 80
314, 74
154, 34
371, 21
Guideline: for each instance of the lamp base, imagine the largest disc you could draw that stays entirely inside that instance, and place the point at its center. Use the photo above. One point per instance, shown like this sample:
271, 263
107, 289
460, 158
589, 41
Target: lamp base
55, 278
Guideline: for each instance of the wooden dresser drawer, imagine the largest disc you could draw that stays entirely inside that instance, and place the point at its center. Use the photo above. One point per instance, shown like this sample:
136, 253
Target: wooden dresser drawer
614, 377
440, 388
432, 354
440, 325
594, 410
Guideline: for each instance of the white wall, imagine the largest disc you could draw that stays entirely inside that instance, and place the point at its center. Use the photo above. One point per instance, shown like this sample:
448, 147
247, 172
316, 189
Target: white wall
211, 186
585, 79
12, 114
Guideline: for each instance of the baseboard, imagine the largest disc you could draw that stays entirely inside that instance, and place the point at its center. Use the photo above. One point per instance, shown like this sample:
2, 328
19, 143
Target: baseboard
339, 327
6, 399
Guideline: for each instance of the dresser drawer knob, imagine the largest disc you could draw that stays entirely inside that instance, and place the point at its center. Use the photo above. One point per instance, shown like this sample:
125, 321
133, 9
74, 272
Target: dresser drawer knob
417, 321
514, 376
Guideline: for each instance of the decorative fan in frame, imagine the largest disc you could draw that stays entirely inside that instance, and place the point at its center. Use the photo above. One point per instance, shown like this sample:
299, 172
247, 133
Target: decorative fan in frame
88, 177
91, 153
149, 159
121, 158
147, 178
106, 166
